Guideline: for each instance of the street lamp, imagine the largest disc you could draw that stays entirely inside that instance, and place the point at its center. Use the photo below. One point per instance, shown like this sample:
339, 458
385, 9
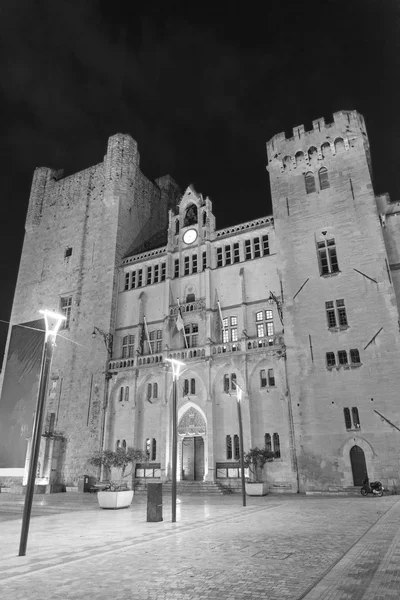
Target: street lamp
107, 338
176, 368
52, 323
239, 397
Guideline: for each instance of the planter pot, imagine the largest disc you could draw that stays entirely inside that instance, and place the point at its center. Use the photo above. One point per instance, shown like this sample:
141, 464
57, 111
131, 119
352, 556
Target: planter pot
257, 489
114, 500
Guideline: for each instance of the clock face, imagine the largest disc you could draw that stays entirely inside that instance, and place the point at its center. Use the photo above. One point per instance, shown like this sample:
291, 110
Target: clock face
190, 236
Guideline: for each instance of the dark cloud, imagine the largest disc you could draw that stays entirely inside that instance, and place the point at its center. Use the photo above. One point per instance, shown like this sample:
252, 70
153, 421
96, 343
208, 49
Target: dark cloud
200, 88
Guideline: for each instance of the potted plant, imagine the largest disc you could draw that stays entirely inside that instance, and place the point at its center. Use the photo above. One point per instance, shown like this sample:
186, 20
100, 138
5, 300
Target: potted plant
117, 494
255, 460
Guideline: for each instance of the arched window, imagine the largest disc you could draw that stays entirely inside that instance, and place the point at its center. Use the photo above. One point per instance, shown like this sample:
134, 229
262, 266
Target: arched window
121, 394
153, 449
339, 145
299, 157
191, 215
124, 445
267, 442
277, 445
326, 149
228, 447
312, 153
236, 446
177, 227
149, 390
193, 386
185, 387
155, 390
323, 178
127, 394
310, 183
147, 447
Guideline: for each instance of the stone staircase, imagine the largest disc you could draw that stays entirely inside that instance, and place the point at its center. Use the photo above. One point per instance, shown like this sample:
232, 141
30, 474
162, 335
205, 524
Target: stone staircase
187, 488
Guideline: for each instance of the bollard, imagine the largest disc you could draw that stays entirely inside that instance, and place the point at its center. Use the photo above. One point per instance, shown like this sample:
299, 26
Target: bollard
154, 502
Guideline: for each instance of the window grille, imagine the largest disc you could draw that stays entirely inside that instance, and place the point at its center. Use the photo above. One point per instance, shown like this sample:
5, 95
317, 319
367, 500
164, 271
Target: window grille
236, 446
156, 272
133, 280
247, 250
186, 266
264, 323
228, 255
194, 263
265, 242
230, 330
330, 314
176, 267
163, 271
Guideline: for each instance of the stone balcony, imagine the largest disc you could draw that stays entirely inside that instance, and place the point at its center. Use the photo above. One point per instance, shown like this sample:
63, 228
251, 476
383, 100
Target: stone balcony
187, 307
273, 344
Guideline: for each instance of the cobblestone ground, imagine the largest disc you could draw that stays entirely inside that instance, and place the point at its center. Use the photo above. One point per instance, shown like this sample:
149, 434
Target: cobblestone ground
286, 547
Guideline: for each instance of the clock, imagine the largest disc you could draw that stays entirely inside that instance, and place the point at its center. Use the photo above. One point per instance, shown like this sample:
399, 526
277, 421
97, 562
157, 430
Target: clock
190, 236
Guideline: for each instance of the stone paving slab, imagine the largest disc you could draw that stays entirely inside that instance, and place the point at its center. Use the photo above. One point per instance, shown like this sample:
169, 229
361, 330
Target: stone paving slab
275, 548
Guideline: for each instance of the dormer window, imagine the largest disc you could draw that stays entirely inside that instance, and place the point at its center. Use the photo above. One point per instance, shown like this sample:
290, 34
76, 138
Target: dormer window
191, 215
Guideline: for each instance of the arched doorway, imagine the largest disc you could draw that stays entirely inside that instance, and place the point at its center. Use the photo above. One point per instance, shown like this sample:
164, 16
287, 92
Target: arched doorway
192, 433
358, 465
193, 458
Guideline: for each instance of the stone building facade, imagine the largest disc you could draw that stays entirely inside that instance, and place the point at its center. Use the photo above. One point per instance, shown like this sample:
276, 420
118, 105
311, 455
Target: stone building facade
297, 310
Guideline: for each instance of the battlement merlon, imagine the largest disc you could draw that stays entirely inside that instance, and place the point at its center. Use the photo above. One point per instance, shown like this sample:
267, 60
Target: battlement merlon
345, 124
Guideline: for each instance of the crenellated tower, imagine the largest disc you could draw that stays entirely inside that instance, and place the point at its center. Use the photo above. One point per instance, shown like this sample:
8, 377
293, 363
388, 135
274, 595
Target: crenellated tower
340, 312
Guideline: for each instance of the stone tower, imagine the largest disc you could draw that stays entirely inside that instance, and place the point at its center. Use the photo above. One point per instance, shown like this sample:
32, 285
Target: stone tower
78, 228
340, 311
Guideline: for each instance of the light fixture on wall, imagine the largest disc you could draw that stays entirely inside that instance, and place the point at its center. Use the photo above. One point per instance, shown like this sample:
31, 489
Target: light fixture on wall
107, 338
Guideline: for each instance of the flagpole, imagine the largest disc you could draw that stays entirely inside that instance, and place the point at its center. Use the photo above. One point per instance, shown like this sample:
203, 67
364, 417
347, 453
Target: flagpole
147, 333
180, 312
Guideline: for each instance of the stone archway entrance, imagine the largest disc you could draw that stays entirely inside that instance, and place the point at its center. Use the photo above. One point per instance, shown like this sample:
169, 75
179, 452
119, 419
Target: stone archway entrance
192, 435
358, 464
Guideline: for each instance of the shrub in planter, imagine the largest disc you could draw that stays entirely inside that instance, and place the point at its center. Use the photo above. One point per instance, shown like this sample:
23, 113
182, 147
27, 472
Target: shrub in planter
118, 460
255, 460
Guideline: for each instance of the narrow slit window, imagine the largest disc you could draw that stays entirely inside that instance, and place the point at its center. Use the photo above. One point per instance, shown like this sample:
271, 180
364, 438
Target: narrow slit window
149, 271
263, 378
156, 272
265, 243
121, 394
347, 418
247, 249
127, 281
257, 250
236, 446
356, 418
204, 260
176, 267
277, 445
140, 274
194, 263
149, 391
133, 280
185, 387
163, 271
153, 449
268, 442
323, 178
271, 377
236, 255
127, 394
193, 386
228, 447
155, 390
228, 255
186, 265
219, 257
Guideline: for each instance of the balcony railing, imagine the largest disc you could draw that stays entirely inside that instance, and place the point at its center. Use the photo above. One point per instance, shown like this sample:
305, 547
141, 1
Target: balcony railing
247, 345
187, 307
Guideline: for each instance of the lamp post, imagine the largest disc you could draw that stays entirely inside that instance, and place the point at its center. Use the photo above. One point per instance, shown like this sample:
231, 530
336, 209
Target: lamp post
239, 397
176, 368
108, 342
52, 323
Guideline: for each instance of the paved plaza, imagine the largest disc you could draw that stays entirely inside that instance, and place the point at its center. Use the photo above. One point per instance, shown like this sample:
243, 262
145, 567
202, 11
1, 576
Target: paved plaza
277, 547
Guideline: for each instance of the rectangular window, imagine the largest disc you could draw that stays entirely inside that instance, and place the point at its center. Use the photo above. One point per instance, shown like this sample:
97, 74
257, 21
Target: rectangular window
236, 447
247, 250
230, 330
327, 256
347, 418
356, 418
355, 357
127, 278
330, 359
192, 334
219, 257
194, 263
148, 280
267, 442
330, 314
163, 271
271, 377
257, 250
176, 267
264, 323
152, 336
228, 255
204, 260
140, 273
128, 346
228, 447
226, 384
66, 307
341, 311
159, 341
342, 357
186, 265
236, 255
153, 449
263, 378
156, 271
133, 280
265, 243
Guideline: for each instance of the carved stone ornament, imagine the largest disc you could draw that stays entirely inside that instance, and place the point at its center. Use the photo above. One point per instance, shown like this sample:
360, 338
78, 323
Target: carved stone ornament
192, 423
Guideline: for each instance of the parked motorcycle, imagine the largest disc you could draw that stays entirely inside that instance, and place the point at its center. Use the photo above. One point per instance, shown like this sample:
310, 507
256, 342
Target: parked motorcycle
374, 487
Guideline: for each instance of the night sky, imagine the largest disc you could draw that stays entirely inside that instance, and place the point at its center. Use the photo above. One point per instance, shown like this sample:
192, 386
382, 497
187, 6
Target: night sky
200, 86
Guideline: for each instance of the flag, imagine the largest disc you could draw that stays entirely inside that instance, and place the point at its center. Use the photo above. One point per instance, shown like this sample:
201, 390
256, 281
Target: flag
147, 334
219, 321
179, 323
141, 342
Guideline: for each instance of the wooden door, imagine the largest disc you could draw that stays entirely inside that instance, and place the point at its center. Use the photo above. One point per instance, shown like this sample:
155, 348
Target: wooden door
198, 458
358, 465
